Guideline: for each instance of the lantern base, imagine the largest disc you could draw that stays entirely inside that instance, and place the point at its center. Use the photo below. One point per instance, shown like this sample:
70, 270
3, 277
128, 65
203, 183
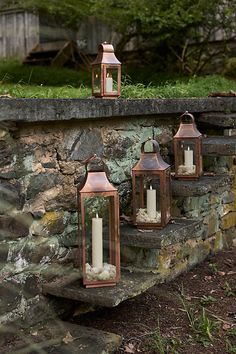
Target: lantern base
150, 226
98, 285
106, 97
184, 177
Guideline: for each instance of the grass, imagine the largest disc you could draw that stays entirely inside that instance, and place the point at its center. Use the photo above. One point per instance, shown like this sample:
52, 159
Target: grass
24, 81
163, 345
200, 323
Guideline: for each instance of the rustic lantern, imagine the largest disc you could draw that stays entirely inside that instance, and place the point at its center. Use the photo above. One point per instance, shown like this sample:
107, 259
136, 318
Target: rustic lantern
106, 73
188, 149
99, 241
151, 189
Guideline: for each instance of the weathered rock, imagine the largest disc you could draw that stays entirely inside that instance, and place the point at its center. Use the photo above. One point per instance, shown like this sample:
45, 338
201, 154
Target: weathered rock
228, 221
14, 227
35, 110
10, 296
59, 337
131, 284
219, 146
219, 119
6, 153
11, 192
4, 248
177, 230
87, 144
42, 182
202, 186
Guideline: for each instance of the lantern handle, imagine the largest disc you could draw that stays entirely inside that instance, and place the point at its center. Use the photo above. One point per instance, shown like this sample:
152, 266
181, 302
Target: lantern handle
187, 114
156, 147
91, 158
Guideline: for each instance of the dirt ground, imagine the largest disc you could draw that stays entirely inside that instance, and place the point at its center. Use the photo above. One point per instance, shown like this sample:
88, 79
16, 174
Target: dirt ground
195, 313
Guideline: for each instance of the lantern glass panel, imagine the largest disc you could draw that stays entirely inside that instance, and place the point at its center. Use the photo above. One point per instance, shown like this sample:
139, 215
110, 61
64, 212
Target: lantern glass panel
100, 244
168, 195
148, 202
111, 80
186, 162
96, 79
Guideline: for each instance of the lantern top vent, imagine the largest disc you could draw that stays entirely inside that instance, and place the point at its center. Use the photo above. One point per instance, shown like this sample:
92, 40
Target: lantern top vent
150, 160
106, 55
187, 128
96, 179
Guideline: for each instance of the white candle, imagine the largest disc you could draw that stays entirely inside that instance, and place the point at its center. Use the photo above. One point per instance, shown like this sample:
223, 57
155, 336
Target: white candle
151, 203
97, 243
188, 157
109, 84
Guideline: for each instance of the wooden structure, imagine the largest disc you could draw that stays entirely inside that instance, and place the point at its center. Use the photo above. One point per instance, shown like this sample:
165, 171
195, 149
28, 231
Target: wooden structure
18, 33
57, 54
30, 36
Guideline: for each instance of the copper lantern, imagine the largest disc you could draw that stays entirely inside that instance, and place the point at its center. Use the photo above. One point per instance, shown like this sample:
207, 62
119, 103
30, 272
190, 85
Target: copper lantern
188, 149
99, 240
151, 189
106, 73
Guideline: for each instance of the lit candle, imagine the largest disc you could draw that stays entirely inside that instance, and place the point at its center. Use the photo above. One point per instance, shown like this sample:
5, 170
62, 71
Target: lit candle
97, 243
109, 83
151, 203
188, 157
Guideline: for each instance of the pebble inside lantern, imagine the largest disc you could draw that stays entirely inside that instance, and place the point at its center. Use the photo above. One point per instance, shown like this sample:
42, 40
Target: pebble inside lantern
106, 73
151, 189
188, 149
99, 236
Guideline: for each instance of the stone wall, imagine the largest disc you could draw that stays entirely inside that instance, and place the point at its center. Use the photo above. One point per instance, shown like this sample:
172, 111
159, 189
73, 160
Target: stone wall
41, 166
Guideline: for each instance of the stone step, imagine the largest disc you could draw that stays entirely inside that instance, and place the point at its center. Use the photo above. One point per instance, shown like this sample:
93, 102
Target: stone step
219, 146
130, 285
219, 119
59, 337
178, 230
206, 184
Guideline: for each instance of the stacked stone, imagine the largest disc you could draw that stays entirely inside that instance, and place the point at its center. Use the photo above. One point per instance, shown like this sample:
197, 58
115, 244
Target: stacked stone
42, 164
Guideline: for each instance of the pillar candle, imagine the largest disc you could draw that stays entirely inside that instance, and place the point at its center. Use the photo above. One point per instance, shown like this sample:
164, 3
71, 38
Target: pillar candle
188, 157
97, 242
109, 84
151, 203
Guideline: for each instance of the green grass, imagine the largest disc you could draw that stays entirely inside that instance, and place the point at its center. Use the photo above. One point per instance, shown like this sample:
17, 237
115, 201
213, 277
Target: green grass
24, 81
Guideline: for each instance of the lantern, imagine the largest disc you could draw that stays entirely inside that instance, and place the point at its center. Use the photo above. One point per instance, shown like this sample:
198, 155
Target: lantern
151, 189
106, 73
99, 241
188, 149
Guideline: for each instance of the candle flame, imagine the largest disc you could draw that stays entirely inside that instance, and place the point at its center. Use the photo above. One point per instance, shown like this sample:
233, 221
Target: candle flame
96, 215
108, 75
188, 148
150, 187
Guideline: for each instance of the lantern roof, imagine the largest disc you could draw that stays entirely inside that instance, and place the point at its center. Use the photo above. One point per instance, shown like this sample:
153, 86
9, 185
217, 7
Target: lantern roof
150, 161
187, 129
106, 55
96, 181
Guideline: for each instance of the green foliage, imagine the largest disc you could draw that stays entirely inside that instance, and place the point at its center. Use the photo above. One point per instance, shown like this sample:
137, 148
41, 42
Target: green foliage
11, 71
164, 344
228, 289
173, 30
201, 324
69, 11
230, 68
22, 81
207, 300
230, 348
